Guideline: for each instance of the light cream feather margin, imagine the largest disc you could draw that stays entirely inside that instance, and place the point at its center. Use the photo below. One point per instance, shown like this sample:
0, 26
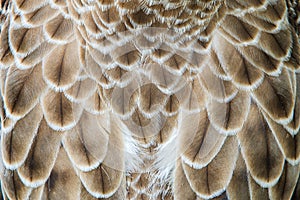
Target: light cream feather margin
144, 99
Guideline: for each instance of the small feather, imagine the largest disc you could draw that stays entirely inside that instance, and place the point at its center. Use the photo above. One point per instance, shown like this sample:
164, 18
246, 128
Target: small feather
25, 40
86, 144
211, 180
238, 187
81, 90
60, 113
6, 57
59, 29
17, 143
238, 31
182, 188
41, 158
96, 103
260, 59
289, 144
256, 191
40, 16
277, 45
228, 118
63, 183
29, 5
285, 187
264, 161
22, 91
61, 67
205, 145
275, 96
34, 57
13, 186
151, 99
243, 73
220, 90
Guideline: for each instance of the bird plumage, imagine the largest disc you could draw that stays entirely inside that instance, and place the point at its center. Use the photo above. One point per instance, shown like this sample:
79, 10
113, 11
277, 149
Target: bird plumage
150, 99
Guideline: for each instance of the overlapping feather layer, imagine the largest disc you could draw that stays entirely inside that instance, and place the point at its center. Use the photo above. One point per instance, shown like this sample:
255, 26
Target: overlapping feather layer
148, 99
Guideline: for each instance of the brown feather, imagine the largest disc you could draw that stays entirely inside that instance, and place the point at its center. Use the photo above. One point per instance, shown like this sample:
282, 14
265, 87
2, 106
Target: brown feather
264, 161
60, 113
276, 97
238, 187
42, 155
22, 91
86, 144
63, 183
13, 187
17, 143
211, 180
61, 67
285, 187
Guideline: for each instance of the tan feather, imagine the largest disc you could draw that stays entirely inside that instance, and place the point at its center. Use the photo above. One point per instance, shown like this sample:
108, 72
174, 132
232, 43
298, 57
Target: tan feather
238, 31
24, 41
102, 182
86, 144
243, 74
294, 126
265, 161
123, 99
13, 186
151, 99
274, 12
29, 5
81, 90
277, 45
262, 24
6, 57
294, 60
256, 191
105, 180
192, 96
90, 25
182, 189
289, 144
59, 29
40, 16
252, 3
17, 143
260, 59
37, 193
110, 16
140, 18
205, 145
21, 91
228, 118
34, 57
60, 113
128, 60
220, 90
94, 69
61, 67
275, 96
63, 183
238, 187
96, 103
41, 158
286, 184
211, 180
176, 64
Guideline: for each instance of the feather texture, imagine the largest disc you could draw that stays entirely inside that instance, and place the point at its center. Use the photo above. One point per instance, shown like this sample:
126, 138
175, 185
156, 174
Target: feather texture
148, 99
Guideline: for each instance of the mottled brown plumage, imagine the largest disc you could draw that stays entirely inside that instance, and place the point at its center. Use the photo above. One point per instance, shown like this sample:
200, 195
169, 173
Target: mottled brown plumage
150, 99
